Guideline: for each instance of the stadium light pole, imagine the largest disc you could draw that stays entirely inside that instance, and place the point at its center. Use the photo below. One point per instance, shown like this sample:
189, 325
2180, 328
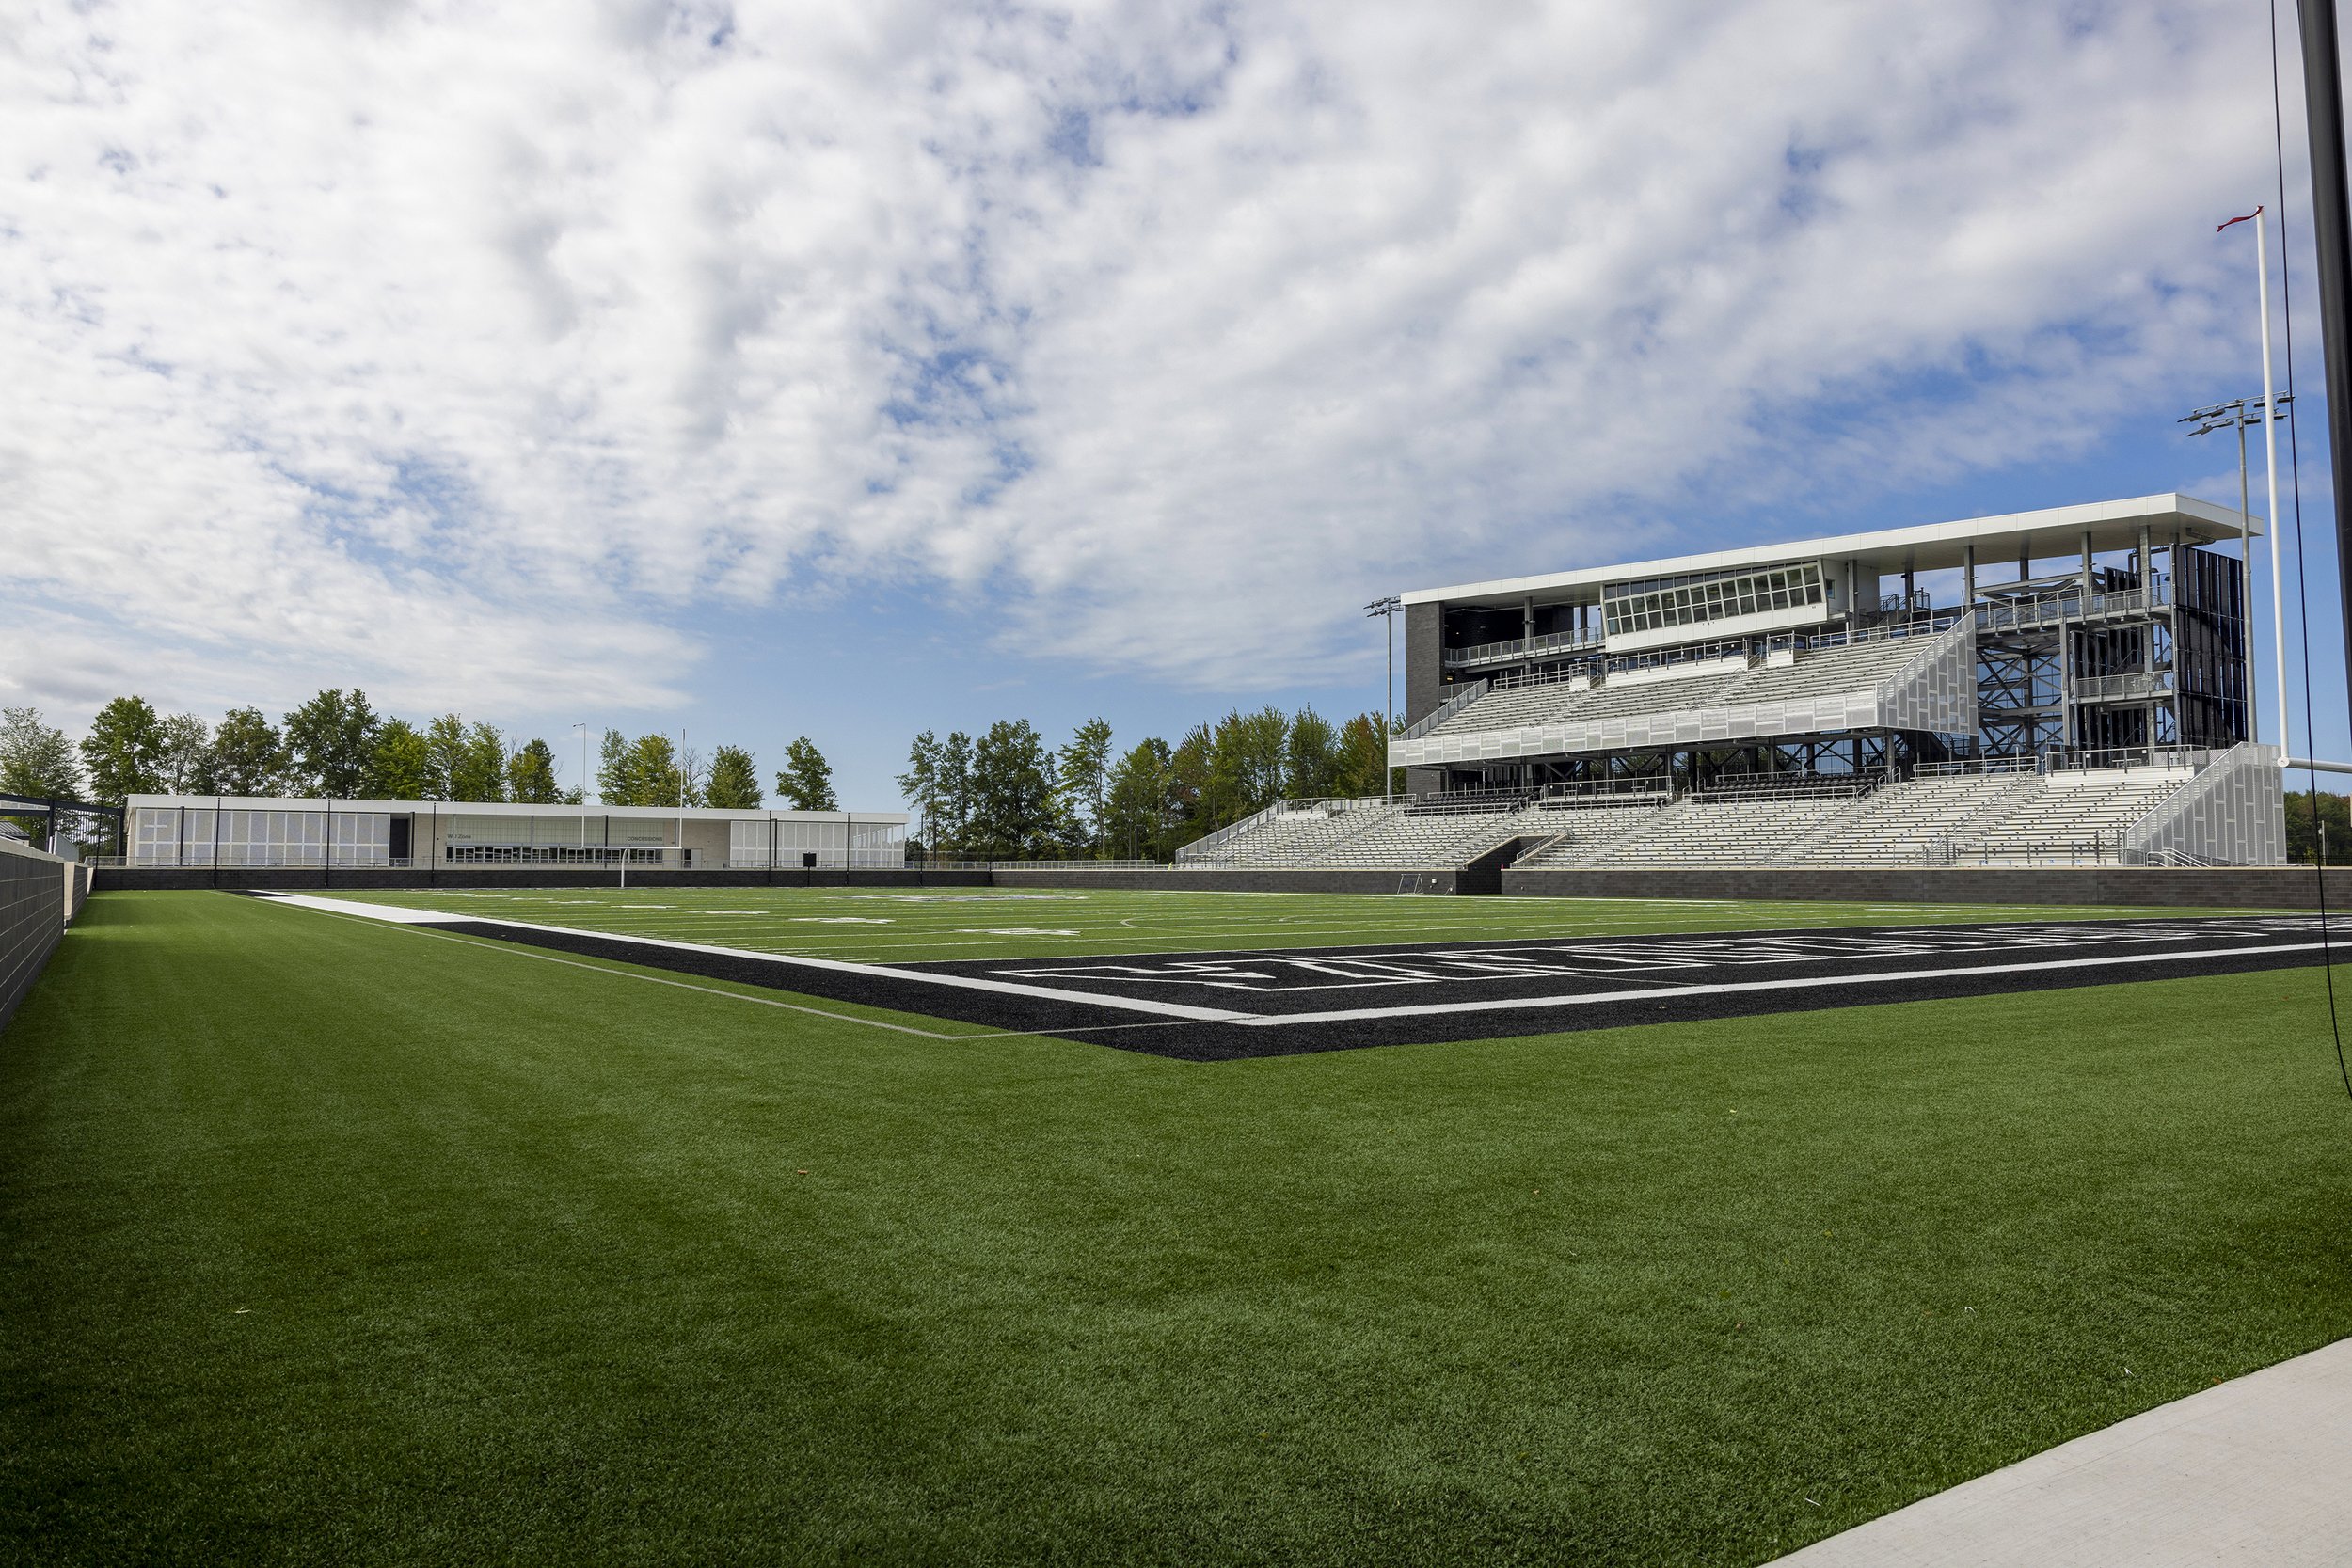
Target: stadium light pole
582, 727
1387, 609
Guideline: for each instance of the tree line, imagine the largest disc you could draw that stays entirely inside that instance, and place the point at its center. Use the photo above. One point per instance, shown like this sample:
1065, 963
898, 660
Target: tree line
1007, 795
337, 745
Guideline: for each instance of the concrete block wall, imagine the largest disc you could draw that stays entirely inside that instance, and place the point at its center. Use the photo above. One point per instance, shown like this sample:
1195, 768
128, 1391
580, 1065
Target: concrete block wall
36, 893
318, 880
2227, 887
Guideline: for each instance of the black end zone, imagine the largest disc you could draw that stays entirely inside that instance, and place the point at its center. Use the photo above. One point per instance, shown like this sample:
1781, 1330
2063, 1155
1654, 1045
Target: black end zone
1283, 1002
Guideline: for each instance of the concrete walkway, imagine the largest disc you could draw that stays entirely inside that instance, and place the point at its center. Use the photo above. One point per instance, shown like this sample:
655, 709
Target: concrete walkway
2257, 1472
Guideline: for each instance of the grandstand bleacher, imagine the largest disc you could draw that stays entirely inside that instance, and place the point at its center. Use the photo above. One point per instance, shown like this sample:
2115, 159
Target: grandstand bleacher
2080, 699
1993, 816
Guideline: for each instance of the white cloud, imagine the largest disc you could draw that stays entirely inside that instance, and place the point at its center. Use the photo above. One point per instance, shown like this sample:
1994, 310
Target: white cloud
467, 349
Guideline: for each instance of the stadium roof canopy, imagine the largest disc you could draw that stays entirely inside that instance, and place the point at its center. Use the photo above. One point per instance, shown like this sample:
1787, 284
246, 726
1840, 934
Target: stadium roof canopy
2055, 531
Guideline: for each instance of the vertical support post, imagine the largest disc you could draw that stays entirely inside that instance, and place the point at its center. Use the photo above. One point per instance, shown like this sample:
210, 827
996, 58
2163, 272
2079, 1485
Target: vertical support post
2270, 479
1968, 577
2331, 225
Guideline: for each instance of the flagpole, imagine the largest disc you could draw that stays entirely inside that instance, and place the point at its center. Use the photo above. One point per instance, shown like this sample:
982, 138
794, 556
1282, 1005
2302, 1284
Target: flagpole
2270, 461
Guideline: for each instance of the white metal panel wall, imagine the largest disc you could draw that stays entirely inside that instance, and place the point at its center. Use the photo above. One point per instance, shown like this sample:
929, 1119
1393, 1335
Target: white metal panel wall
2232, 813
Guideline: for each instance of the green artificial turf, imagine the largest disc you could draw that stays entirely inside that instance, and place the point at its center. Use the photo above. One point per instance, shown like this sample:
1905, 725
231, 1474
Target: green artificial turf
909, 925
325, 1240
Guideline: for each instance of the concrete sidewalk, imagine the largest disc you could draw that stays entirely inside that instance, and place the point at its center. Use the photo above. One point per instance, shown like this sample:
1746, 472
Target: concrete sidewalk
2257, 1472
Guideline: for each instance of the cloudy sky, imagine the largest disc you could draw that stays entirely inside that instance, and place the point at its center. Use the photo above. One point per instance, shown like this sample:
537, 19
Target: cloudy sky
845, 369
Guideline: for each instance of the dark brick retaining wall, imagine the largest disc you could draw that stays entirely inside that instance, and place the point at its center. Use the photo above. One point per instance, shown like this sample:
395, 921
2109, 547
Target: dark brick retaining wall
296, 879
2287, 887
1232, 881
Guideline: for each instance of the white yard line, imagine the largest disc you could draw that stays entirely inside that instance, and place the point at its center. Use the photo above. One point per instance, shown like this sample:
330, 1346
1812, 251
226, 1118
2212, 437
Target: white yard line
398, 915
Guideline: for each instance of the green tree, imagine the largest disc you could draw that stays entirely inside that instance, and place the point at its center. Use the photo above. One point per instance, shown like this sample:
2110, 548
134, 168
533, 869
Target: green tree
401, 766
1084, 776
248, 755
614, 783
806, 780
2304, 836
734, 782
35, 758
1188, 787
183, 759
332, 740
651, 774
955, 790
123, 750
1016, 812
919, 784
1247, 751
530, 775
1312, 763
1139, 808
1363, 756
444, 756
479, 773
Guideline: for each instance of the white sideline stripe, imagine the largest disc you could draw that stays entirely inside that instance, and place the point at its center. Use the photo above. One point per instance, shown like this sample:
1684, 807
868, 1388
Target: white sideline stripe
1267, 1021
398, 915
365, 912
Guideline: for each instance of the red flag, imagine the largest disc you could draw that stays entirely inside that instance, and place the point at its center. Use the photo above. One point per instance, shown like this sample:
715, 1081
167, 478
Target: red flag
2248, 218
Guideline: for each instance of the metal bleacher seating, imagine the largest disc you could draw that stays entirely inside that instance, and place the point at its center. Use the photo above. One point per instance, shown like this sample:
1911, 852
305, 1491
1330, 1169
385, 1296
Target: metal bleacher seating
1815, 672
1991, 817
1859, 668
1511, 706
1913, 823
1420, 839
2078, 814
1740, 827
1579, 832
1621, 697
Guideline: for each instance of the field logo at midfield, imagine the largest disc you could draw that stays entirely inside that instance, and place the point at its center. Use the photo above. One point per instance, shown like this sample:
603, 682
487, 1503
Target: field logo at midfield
1619, 957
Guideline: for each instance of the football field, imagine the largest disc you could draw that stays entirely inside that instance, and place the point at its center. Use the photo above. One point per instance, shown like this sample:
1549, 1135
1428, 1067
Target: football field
1220, 978
919, 925
331, 1238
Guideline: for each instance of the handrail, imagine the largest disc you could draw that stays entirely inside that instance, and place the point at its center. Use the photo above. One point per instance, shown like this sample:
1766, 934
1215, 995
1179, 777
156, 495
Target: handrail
1524, 647
1604, 790
1467, 800
1332, 806
1832, 785
2005, 763
2076, 759
2070, 605
1201, 846
1446, 710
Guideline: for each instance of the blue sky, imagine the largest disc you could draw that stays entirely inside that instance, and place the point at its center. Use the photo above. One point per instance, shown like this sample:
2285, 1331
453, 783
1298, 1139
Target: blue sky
851, 370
